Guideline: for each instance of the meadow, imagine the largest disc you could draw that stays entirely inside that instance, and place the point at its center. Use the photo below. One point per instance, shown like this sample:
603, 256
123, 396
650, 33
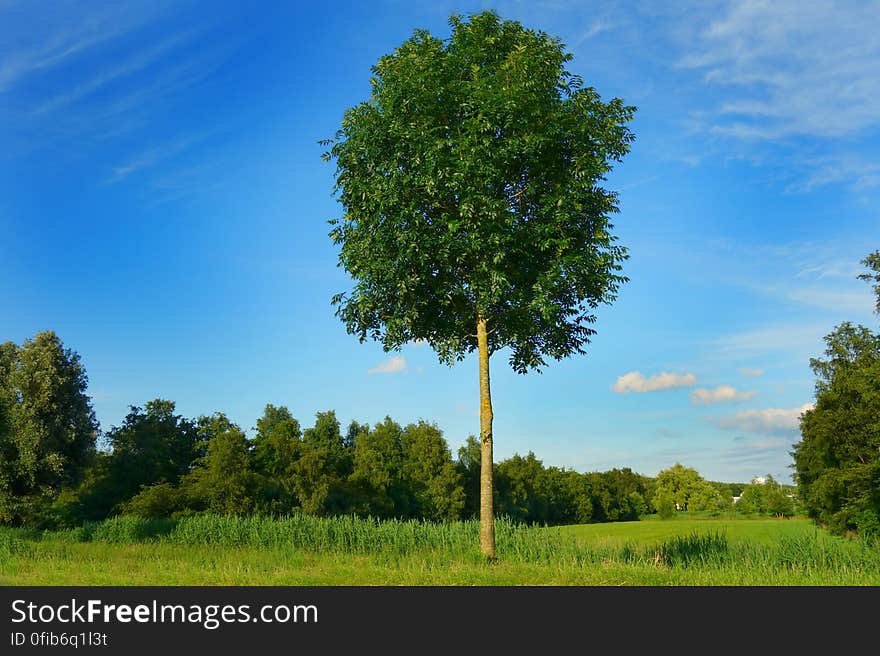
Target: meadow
304, 550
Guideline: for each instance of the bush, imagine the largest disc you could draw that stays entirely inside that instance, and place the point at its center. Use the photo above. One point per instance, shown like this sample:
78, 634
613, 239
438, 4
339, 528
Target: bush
159, 500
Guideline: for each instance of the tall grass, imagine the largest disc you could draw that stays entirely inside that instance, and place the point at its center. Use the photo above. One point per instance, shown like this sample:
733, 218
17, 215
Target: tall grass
808, 557
344, 534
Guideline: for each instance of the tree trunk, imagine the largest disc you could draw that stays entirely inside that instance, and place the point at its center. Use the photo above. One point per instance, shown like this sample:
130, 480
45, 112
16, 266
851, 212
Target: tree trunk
487, 514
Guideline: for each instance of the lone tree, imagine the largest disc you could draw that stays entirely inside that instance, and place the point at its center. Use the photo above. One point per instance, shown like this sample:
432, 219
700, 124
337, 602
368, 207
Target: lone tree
474, 215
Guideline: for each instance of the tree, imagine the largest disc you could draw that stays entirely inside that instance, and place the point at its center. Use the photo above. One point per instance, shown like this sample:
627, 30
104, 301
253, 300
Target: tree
376, 479
153, 445
468, 464
7, 453
277, 448
618, 495
435, 486
838, 458
52, 425
683, 488
569, 498
521, 486
223, 481
324, 465
837, 461
474, 213
766, 498
872, 261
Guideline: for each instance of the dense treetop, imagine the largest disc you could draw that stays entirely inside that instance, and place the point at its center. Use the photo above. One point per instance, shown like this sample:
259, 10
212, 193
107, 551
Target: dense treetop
471, 186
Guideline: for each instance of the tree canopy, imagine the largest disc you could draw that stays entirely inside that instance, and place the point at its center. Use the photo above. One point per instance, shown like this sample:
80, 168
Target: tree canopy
50, 425
682, 488
472, 186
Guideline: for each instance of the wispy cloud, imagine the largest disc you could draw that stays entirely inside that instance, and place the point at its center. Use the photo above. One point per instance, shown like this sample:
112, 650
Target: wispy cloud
857, 171
393, 365
179, 182
101, 91
798, 68
794, 338
149, 158
596, 27
767, 421
104, 78
838, 300
720, 394
769, 455
60, 43
635, 381
810, 274
751, 373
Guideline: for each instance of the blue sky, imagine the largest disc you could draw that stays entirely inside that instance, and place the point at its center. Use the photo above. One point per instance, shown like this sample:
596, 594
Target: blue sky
164, 207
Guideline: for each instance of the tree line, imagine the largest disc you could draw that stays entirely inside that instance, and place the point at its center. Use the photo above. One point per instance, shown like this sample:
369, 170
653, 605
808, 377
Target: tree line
58, 469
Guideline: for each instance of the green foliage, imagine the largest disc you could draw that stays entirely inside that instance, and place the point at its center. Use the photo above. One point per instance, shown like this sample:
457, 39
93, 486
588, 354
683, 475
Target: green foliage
471, 183
468, 464
684, 489
377, 480
48, 431
619, 495
7, 457
529, 492
767, 498
157, 500
521, 489
276, 450
430, 473
222, 481
569, 497
872, 262
664, 504
838, 458
153, 445
324, 464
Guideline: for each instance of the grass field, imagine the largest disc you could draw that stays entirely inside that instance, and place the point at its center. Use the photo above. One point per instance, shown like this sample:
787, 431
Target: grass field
348, 551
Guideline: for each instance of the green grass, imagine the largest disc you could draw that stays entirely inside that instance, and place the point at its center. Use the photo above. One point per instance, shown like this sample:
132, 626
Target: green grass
762, 530
304, 550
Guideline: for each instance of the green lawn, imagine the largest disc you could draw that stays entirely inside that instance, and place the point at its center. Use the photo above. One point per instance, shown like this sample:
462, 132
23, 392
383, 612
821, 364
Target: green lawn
764, 531
651, 552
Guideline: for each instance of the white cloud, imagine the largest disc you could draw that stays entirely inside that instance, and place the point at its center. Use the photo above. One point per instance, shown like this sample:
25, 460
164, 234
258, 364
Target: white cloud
394, 365
769, 420
635, 381
751, 373
720, 394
